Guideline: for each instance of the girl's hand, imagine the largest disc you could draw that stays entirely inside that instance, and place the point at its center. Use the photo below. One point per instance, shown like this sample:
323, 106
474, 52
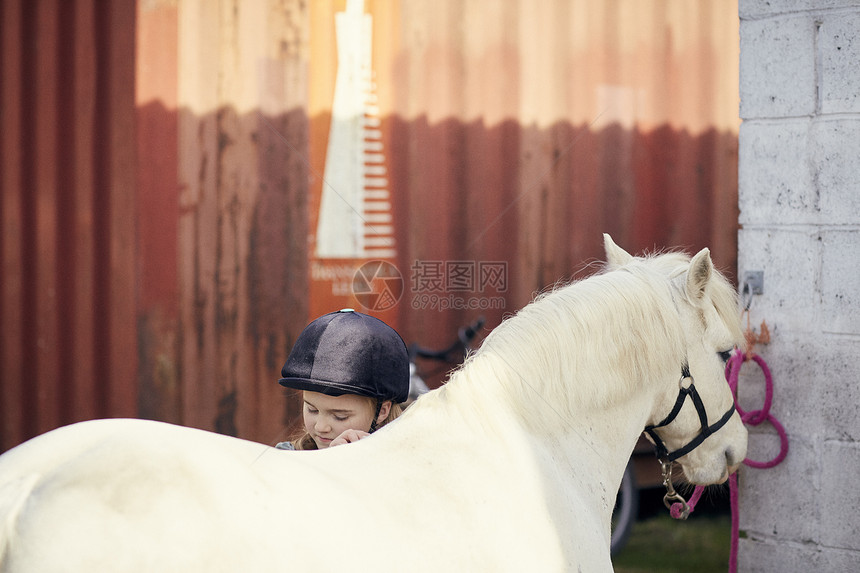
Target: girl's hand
348, 437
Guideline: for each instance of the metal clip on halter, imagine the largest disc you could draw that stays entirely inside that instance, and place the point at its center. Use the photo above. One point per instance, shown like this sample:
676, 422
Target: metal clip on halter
671, 495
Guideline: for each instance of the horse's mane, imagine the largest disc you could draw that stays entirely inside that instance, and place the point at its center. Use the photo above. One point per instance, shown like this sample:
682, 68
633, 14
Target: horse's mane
583, 334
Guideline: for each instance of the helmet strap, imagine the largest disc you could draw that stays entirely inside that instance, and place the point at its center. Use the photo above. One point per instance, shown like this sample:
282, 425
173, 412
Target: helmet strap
376, 415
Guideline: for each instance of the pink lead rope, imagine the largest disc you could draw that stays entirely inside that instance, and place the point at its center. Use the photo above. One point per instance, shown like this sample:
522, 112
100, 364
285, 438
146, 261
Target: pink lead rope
751, 418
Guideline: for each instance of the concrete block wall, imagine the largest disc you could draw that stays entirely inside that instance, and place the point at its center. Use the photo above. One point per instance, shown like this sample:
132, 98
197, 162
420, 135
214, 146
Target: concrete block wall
799, 194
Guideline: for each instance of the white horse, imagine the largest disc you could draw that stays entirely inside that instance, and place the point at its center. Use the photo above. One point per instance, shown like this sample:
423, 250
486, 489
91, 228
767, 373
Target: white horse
511, 466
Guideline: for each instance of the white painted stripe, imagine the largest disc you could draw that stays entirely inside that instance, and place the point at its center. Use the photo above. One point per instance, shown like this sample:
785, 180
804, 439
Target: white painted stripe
371, 218
376, 194
374, 170
378, 230
375, 182
380, 253
377, 206
371, 242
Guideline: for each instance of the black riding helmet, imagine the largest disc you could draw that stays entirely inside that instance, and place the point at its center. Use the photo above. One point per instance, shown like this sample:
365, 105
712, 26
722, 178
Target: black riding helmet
346, 352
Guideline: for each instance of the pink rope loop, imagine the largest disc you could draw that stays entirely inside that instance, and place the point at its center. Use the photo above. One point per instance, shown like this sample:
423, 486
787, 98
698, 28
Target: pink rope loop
752, 418
677, 509
783, 447
733, 499
756, 417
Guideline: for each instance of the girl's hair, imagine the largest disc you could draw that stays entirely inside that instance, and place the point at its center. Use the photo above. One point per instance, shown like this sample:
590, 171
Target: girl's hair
304, 441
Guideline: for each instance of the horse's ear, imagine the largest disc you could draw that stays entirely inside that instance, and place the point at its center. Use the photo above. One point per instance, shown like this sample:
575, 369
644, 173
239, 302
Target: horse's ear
615, 255
699, 274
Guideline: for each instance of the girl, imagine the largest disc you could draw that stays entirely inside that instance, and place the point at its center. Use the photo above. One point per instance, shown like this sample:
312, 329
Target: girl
353, 371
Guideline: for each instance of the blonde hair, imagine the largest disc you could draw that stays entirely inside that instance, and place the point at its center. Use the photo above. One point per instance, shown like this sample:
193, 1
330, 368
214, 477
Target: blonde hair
303, 440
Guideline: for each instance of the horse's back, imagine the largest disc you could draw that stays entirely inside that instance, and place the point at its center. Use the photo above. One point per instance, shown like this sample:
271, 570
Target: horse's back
129, 495
133, 495
77, 454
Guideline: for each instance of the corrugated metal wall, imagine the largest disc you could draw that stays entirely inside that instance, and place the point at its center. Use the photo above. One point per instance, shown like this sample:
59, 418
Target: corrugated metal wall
523, 130
157, 173
222, 219
68, 348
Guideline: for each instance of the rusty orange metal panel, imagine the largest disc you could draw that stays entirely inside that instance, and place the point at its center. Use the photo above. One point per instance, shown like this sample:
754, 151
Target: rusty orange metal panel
242, 227
278, 232
157, 206
354, 242
519, 133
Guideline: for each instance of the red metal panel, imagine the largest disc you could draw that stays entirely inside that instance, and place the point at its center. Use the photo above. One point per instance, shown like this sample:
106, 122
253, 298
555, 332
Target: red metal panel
42, 196
12, 415
116, 157
65, 203
80, 361
67, 256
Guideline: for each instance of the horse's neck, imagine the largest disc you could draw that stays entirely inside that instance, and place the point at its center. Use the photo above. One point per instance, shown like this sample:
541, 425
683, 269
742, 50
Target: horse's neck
583, 440
602, 440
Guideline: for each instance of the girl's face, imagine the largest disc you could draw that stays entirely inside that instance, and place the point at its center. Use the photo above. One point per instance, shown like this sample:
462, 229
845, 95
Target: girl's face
327, 417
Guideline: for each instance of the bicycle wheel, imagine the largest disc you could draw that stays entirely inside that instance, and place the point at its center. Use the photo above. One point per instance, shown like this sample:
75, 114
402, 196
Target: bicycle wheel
626, 510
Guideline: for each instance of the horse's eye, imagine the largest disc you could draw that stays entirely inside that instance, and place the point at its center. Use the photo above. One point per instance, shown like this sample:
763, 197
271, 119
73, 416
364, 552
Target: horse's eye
725, 355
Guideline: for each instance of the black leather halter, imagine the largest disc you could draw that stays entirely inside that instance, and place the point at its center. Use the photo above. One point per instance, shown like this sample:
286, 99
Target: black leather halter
662, 453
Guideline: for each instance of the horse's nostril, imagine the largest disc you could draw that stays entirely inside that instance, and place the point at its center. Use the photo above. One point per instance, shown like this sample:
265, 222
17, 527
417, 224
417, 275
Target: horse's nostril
732, 460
